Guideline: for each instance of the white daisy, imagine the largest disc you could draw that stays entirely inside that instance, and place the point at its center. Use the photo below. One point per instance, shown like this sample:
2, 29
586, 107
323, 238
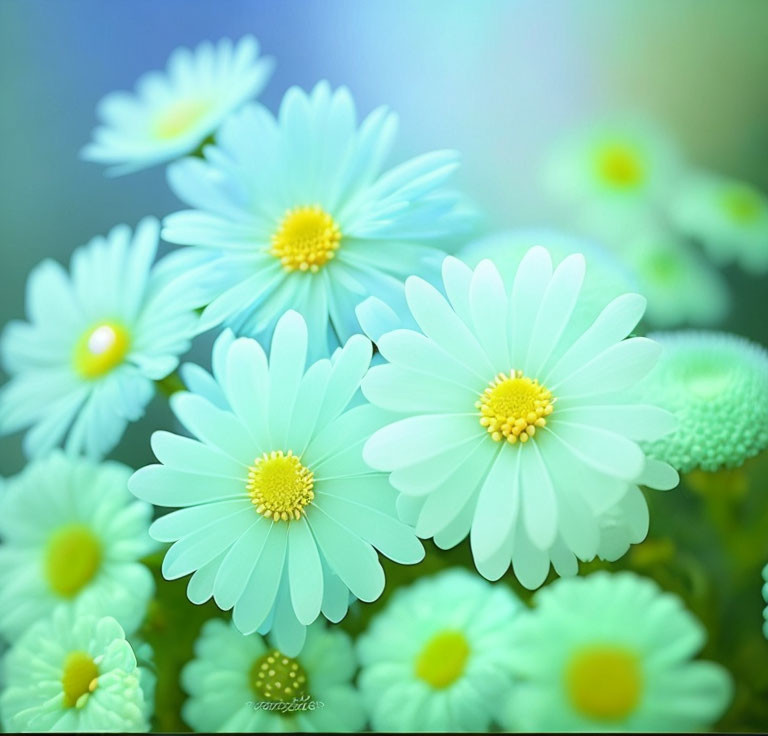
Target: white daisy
172, 112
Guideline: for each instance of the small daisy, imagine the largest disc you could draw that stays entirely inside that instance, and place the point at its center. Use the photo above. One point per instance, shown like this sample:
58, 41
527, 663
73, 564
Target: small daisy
72, 536
515, 428
717, 386
681, 287
730, 219
171, 113
239, 684
611, 653
73, 672
96, 340
281, 518
437, 657
295, 212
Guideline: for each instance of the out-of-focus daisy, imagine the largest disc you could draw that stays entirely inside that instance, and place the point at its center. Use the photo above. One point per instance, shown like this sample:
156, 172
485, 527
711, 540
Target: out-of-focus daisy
97, 338
295, 212
72, 536
282, 517
437, 657
681, 287
240, 684
514, 429
717, 386
72, 672
172, 112
765, 598
729, 217
611, 652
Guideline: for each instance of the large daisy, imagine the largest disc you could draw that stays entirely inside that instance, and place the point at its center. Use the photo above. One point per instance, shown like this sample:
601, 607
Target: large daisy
295, 212
280, 517
97, 339
611, 653
512, 429
240, 684
72, 536
172, 112
437, 657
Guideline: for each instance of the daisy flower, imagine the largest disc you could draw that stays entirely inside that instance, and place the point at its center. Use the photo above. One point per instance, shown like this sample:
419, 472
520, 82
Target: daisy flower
717, 386
97, 339
240, 684
513, 429
280, 517
681, 287
436, 658
611, 653
72, 536
73, 672
765, 598
296, 212
729, 218
172, 113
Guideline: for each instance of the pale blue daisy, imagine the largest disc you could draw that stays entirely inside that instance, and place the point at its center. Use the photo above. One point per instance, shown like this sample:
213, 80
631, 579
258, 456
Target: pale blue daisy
97, 339
295, 212
281, 518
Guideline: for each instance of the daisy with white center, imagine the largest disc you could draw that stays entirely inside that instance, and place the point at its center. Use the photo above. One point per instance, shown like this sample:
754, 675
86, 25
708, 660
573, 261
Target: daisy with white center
73, 672
280, 517
515, 429
729, 218
172, 113
72, 536
437, 657
97, 339
295, 212
240, 684
611, 653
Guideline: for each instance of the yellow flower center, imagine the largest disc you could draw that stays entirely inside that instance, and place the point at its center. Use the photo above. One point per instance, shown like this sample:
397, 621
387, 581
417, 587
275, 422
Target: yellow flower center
100, 349
80, 677
307, 239
72, 558
179, 118
604, 682
513, 406
280, 487
275, 677
742, 204
442, 660
620, 166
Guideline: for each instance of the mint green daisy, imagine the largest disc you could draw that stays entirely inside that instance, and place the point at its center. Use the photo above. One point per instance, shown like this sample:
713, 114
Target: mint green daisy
611, 653
513, 430
240, 684
279, 518
72, 537
728, 217
717, 386
437, 657
296, 212
73, 672
85, 363
172, 112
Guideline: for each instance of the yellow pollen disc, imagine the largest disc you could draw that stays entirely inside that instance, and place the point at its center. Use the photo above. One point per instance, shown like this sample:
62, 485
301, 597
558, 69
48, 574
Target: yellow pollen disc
179, 118
442, 660
604, 682
72, 559
280, 486
80, 677
620, 166
307, 239
100, 349
513, 406
742, 205
275, 677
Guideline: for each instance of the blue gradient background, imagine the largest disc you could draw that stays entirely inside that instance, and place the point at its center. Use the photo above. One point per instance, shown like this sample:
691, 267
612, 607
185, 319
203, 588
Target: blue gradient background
497, 80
